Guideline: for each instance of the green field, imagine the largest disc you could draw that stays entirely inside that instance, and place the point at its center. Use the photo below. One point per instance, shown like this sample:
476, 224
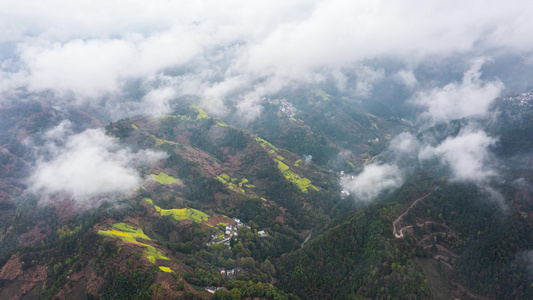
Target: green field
221, 179
164, 178
181, 214
201, 114
283, 167
265, 143
220, 123
233, 183
303, 183
166, 269
243, 181
320, 93
130, 234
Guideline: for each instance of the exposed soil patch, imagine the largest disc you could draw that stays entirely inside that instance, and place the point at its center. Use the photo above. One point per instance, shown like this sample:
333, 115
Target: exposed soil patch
214, 220
35, 235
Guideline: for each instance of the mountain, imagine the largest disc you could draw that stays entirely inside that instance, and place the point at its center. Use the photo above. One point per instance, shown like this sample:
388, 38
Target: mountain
263, 208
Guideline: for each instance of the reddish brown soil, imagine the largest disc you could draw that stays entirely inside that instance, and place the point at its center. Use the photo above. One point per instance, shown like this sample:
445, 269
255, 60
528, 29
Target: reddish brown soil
26, 280
12, 269
214, 220
35, 235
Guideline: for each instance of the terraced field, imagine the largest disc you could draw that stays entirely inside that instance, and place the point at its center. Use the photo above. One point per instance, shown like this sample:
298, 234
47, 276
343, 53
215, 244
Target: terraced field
164, 178
130, 234
180, 214
303, 183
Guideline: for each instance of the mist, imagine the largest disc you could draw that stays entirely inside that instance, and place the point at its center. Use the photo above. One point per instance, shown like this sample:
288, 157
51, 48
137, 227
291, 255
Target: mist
125, 59
467, 154
91, 52
86, 166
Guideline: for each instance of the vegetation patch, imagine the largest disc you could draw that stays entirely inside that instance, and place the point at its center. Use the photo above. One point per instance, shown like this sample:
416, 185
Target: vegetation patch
152, 254
166, 269
164, 178
320, 93
303, 183
264, 143
161, 141
221, 179
201, 114
243, 181
283, 167
181, 214
130, 234
233, 183
184, 118
220, 123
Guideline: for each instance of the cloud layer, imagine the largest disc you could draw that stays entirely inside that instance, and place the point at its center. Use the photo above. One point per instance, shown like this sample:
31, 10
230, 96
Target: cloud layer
470, 97
213, 49
87, 164
467, 154
136, 57
374, 180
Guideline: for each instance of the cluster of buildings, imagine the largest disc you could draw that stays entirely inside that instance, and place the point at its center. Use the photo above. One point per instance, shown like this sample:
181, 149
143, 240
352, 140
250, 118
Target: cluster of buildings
285, 106
523, 99
343, 178
228, 273
231, 272
231, 231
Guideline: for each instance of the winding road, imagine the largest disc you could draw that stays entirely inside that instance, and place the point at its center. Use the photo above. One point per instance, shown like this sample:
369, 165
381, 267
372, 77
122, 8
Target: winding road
307, 238
399, 233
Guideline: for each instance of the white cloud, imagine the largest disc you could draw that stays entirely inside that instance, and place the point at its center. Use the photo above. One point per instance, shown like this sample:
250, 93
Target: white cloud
159, 100
467, 155
89, 164
366, 77
407, 78
90, 48
249, 109
404, 143
471, 97
374, 180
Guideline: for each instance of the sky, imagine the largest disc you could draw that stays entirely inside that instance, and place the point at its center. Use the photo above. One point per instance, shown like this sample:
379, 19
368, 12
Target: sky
91, 53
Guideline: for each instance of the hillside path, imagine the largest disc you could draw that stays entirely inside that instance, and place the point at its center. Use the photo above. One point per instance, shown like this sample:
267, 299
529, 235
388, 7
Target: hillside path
399, 233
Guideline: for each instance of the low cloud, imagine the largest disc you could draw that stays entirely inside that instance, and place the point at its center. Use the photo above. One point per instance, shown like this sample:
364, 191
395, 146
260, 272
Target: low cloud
467, 155
406, 77
249, 109
87, 165
308, 158
240, 49
158, 100
374, 180
366, 78
471, 97
404, 144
